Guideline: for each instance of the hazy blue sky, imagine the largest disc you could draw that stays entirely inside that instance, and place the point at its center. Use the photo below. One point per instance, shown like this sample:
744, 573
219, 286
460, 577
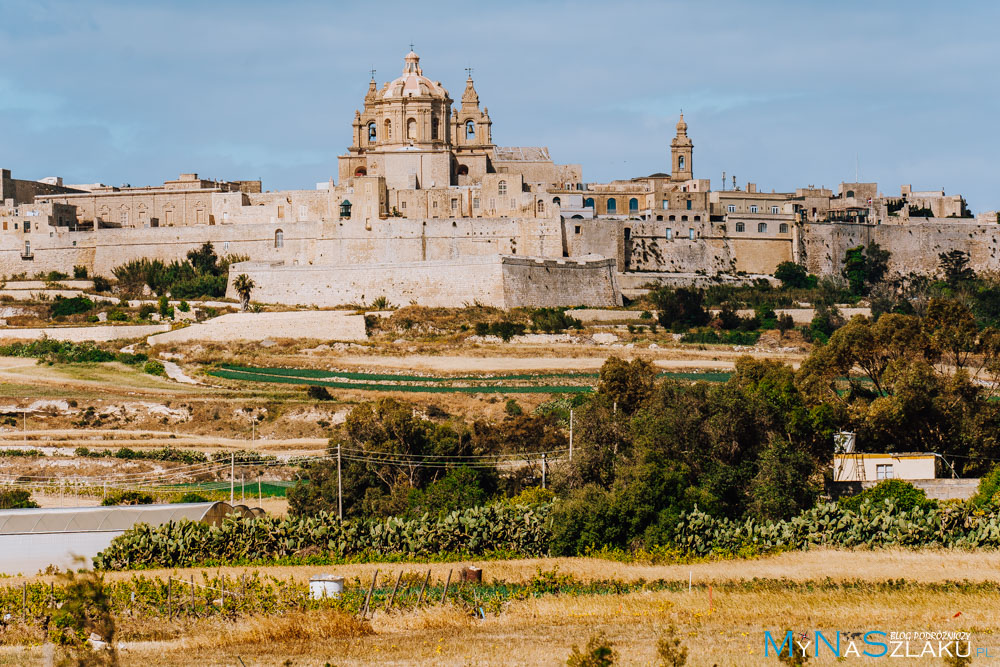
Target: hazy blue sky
783, 94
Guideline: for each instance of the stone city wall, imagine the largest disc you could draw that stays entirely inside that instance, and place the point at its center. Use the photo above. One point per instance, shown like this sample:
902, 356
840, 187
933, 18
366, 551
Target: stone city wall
500, 281
914, 247
347, 242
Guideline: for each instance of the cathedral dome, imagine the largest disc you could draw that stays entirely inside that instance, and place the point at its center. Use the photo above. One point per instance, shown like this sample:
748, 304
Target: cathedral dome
413, 83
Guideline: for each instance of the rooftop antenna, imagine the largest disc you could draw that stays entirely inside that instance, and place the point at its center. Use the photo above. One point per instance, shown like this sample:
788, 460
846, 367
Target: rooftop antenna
723, 181
734, 181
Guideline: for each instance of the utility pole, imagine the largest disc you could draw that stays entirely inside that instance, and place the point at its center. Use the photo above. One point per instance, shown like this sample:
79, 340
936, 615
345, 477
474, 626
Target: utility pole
340, 490
545, 469
232, 477
571, 434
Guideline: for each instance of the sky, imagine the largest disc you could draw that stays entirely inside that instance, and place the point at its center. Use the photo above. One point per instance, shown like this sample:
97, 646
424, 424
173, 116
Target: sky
782, 94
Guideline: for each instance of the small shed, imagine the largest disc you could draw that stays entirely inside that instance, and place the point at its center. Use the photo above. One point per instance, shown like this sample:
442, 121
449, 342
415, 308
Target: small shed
33, 539
861, 467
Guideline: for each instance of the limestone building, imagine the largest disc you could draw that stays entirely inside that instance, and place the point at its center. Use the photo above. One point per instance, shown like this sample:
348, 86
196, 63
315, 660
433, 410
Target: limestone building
426, 208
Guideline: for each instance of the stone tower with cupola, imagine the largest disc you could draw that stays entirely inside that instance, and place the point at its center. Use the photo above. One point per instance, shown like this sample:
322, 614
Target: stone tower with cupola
681, 154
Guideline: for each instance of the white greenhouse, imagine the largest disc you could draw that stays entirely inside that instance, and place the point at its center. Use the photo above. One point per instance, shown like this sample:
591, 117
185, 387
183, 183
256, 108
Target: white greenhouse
33, 539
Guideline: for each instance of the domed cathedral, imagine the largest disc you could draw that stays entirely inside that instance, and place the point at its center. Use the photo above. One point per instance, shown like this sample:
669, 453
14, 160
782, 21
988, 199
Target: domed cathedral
408, 134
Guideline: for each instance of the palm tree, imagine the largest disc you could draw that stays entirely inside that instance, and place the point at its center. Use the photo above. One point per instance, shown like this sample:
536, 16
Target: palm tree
243, 285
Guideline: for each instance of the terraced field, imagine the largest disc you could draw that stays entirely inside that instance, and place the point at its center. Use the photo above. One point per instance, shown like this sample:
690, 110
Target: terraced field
522, 383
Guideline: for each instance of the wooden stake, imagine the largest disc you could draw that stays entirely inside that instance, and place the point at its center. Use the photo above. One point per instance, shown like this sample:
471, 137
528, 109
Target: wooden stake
394, 589
420, 597
368, 597
445, 594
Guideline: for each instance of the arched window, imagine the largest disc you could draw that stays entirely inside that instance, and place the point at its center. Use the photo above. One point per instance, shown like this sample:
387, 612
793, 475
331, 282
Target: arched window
673, 217
612, 206
360, 171
850, 194
577, 217
541, 206
463, 170
502, 188
633, 204
411, 128
371, 131
434, 128
680, 163
470, 129
588, 202
783, 228
762, 227
697, 218
388, 129
557, 201
740, 227
279, 239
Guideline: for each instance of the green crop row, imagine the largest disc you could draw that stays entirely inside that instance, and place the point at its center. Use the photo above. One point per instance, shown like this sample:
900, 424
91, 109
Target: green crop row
482, 389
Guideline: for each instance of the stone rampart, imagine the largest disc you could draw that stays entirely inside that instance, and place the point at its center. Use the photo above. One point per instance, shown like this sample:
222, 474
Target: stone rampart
494, 280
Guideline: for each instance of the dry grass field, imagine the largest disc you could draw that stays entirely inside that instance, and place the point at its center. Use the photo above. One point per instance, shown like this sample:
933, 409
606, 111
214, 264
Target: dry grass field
823, 589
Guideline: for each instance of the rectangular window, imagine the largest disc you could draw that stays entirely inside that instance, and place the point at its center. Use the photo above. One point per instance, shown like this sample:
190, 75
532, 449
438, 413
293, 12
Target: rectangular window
5, 225
689, 204
670, 234
454, 204
731, 208
576, 229
303, 211
402, 204
493, 204
225, 246
774, 210
628, 233
434, 205
753, 209
15, 226
281, 212
475, 202
513, 204
884, 471
691, 234
123, 218
27, 226
666, 204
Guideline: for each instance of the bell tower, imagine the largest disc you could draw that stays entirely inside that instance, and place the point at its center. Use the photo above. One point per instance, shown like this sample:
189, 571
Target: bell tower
681, 153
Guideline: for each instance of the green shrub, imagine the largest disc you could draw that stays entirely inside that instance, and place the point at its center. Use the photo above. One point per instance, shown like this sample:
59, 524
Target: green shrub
599, 652
62, 307
903, 494
117, 315
553, 320
191, 497
145, 310
79, 272
128, 498
988, 493
166, 310
153, 367
710, 336
512, 408
318, 393
184, 307
14, 499
101, 284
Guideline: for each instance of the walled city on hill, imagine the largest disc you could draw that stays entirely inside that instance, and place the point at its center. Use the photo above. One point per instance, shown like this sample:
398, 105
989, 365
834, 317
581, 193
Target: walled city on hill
426, 209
